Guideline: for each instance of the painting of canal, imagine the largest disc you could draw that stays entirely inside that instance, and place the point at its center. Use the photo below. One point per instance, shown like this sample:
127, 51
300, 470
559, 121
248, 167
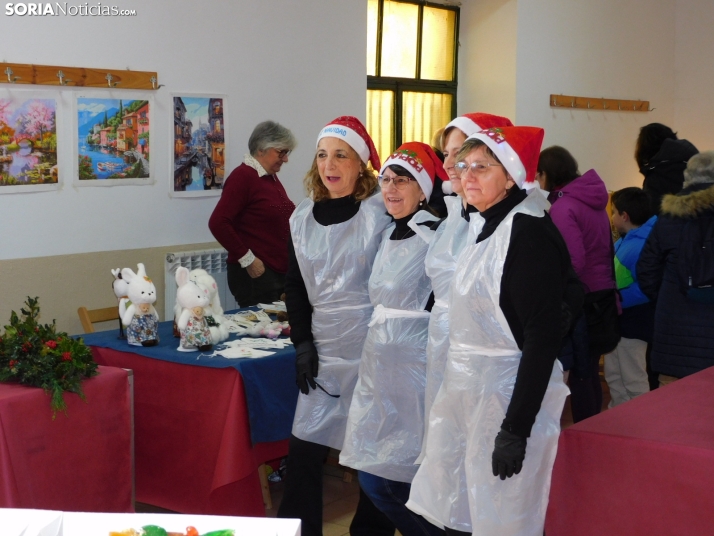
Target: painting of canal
113, 139
199, 145
28, 143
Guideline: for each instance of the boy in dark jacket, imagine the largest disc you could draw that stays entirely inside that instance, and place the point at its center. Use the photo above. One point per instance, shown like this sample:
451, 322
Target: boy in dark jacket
625, 369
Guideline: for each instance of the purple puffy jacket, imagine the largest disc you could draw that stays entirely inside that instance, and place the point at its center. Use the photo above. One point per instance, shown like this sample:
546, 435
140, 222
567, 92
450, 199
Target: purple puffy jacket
578, 211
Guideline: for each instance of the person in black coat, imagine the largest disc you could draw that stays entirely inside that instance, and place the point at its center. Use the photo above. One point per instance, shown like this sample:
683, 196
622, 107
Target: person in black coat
661, 158
683, 340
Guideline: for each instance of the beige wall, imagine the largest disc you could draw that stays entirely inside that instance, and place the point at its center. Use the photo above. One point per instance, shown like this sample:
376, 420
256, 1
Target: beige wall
66, 282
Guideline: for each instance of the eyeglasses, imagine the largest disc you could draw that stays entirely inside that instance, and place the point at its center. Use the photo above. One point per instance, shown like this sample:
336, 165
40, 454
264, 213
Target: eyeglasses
476, 167
282, 153
399, 182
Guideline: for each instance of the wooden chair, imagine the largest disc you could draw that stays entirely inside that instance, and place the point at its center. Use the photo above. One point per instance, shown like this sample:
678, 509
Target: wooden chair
90, 316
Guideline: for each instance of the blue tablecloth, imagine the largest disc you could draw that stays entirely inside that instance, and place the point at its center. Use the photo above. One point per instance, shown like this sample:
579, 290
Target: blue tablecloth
269, 382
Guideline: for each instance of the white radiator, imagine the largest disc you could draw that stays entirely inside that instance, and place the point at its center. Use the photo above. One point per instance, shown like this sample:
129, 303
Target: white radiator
211, 260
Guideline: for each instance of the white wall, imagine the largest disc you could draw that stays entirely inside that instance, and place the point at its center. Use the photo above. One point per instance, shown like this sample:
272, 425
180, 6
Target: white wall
487, 57
298, 63
607, 48
694, 87
515, 53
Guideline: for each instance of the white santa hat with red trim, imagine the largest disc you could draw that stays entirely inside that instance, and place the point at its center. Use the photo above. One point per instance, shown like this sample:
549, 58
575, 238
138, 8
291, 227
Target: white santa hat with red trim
421, 161
475, 122
351, 130
517, 148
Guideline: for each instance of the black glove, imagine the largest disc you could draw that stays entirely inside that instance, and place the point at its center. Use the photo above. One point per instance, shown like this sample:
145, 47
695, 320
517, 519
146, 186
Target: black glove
306, 362
508, 454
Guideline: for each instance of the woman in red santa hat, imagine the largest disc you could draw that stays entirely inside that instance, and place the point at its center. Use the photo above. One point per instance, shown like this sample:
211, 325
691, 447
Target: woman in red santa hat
386, 418
446, 245
335, 234
494, 425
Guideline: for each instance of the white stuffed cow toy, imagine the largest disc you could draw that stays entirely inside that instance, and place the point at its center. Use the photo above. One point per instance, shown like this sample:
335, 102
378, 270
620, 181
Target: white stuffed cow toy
137, 312
191, 322
213, 311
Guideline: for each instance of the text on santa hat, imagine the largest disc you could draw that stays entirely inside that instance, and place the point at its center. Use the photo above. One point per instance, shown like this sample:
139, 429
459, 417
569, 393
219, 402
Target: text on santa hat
410, 157
334, 130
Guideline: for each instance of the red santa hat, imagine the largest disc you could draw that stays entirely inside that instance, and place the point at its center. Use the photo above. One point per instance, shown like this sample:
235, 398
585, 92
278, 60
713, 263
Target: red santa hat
421, 161
472, 123
350, 130
518, 149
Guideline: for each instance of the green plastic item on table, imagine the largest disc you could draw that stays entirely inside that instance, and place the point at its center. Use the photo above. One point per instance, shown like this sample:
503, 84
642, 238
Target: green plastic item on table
227, 532
153, 530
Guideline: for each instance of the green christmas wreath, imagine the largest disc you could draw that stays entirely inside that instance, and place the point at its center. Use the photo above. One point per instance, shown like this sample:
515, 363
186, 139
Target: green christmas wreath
35, 354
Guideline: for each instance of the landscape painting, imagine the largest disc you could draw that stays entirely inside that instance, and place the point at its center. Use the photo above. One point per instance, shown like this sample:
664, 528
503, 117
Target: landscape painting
113, 141
28, 144
199, 143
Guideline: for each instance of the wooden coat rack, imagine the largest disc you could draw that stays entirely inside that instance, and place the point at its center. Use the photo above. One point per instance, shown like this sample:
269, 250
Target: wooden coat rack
599, 104
23, 73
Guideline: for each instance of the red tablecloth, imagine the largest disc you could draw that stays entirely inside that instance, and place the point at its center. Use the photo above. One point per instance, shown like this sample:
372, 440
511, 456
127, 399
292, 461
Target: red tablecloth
77, 462
643, 468
192, 437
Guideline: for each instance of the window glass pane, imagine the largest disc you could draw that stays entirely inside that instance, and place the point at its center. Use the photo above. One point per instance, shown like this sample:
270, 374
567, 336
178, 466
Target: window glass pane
372, 16
380, 121
437, 44
423, 114
399, 39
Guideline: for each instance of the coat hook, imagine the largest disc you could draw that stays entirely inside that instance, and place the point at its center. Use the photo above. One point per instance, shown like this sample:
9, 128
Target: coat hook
11, 79
651, 109
572, 103
589, 105
109, 79
63, 81
603, 105
619, 105
153, 83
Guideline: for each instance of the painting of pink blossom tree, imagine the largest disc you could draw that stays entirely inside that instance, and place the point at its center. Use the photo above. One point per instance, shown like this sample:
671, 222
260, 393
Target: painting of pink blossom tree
28, 142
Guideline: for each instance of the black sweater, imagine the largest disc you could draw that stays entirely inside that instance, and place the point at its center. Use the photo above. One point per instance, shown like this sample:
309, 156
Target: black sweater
532, 289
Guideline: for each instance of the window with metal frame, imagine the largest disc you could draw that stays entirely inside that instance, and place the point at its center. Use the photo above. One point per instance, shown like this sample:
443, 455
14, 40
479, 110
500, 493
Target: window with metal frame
411, 70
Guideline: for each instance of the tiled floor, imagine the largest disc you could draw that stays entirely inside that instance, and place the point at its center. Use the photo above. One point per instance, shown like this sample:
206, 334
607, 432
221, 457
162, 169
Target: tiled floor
339, 500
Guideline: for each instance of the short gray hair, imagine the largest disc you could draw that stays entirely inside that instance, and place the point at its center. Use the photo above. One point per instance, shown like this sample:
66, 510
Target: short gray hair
700, 169
269, 134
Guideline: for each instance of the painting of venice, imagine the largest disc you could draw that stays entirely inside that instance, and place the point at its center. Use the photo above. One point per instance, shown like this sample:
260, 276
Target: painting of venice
113, 138
199, 145
28, 142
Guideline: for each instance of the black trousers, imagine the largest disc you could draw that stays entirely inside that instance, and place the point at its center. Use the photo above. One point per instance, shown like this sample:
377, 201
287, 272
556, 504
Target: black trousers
302, 495
452, 532
248, 291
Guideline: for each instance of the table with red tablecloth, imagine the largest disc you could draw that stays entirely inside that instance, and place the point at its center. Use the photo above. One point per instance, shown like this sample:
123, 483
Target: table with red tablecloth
193, 446
78, 461
644, 467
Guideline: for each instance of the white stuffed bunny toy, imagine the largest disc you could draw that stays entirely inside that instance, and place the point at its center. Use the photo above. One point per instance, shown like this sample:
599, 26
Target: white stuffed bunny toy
213, 312
121, 289
137, 311
191, 323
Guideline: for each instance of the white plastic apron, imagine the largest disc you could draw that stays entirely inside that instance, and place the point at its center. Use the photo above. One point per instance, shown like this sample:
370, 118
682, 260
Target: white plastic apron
449, 239
386, 419
335, 262
455, 485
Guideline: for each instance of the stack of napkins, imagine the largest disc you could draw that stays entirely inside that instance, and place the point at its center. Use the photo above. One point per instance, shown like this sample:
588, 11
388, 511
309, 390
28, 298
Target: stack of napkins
249, 347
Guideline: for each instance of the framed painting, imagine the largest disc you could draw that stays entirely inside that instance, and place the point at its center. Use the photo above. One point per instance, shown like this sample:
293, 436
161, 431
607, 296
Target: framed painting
112, 139
198, 145
28, 141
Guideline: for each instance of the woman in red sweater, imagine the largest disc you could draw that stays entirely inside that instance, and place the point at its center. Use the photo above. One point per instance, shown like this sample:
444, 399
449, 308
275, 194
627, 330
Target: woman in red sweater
251, 218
